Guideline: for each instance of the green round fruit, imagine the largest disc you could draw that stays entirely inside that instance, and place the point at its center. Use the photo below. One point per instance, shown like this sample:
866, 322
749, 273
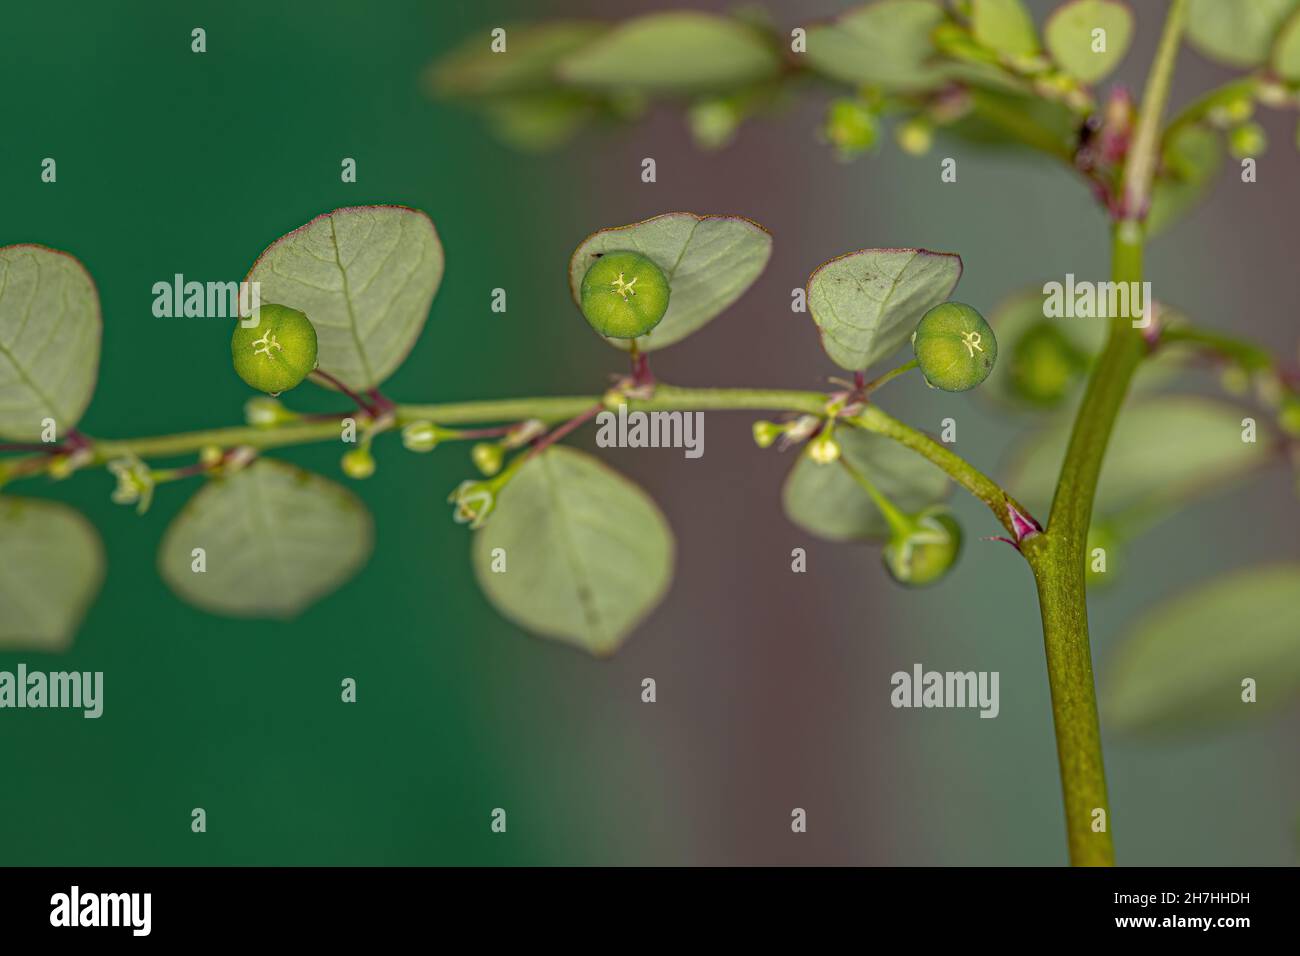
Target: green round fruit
1044, 365
927, 552
954, 347
624, 295
277, 353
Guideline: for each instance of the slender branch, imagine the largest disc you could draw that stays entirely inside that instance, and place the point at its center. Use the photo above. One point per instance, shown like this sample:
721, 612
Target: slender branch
1246, 354
874, 419
1200, 109
1058, 557
889, 376
1144, 155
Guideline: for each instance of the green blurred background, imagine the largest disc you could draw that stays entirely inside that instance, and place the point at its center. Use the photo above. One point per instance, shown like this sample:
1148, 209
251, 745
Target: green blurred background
773, 687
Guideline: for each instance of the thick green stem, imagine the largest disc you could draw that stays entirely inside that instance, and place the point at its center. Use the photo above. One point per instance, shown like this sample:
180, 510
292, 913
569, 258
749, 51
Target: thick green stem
1058, 558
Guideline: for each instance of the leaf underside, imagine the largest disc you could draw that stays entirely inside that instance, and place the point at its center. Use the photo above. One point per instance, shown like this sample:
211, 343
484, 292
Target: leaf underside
709, 262
275, 539
365, 276
53, 568
49, 341
587, 553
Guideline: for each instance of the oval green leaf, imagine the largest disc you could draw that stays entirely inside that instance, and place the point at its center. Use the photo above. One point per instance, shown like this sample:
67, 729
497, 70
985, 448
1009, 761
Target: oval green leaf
53, 568
587, 553
49, 340
709, 260
1005, 26
825, 500
1069, 35
1182, 665
667, 53
1286, 51
886, 43
526, 66
1236, 32
867, 303
1163, 450
365, 276
275, 539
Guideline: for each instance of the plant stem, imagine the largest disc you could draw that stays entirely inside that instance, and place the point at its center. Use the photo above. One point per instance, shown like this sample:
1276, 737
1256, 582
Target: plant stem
898, 522
889, 376
1058, 557
1246, 354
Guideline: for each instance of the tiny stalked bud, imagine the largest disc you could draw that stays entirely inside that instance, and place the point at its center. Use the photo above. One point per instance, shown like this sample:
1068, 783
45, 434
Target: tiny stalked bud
765, 433
915, 137
1248, 139
1288, 415
487, 457
824, 449
624, 295
954, 347
420, 437
211, 455
262, 411
276, 354
927, 551
359, 463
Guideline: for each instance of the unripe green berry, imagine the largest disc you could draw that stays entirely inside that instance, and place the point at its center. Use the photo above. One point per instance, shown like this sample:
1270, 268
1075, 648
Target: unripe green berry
954, 347
359, 463
488, 457
926, 553
624, 295
277, 353
1043, 365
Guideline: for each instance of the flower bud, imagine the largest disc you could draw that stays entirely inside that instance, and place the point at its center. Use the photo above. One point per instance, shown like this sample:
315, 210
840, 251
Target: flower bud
926, 552
915, 137
359, 463
211, 455
488, 457
420, 437
277, 353
824, 449
135, 483
1288, 415
262, 411
954, 347
765, 433
624, 295
713, 122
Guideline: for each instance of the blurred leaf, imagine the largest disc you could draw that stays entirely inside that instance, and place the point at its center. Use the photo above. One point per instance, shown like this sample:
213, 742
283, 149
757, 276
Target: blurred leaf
365, 276
1000, 118
1236, 32
709, 262
49, 340
276, 539
526, 66
1163, 450
1192, 158
1005, 26
885, 43
1068, 33
53, 568
1286, 51
587, 553
1182, 665
540, 121
867, 303
667, 53
825, 500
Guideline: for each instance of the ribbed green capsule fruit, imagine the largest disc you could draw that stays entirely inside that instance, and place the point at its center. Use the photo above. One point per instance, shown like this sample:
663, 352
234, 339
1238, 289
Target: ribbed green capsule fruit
954, 347
1043, 365
925, 553
277, 353
624, 295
